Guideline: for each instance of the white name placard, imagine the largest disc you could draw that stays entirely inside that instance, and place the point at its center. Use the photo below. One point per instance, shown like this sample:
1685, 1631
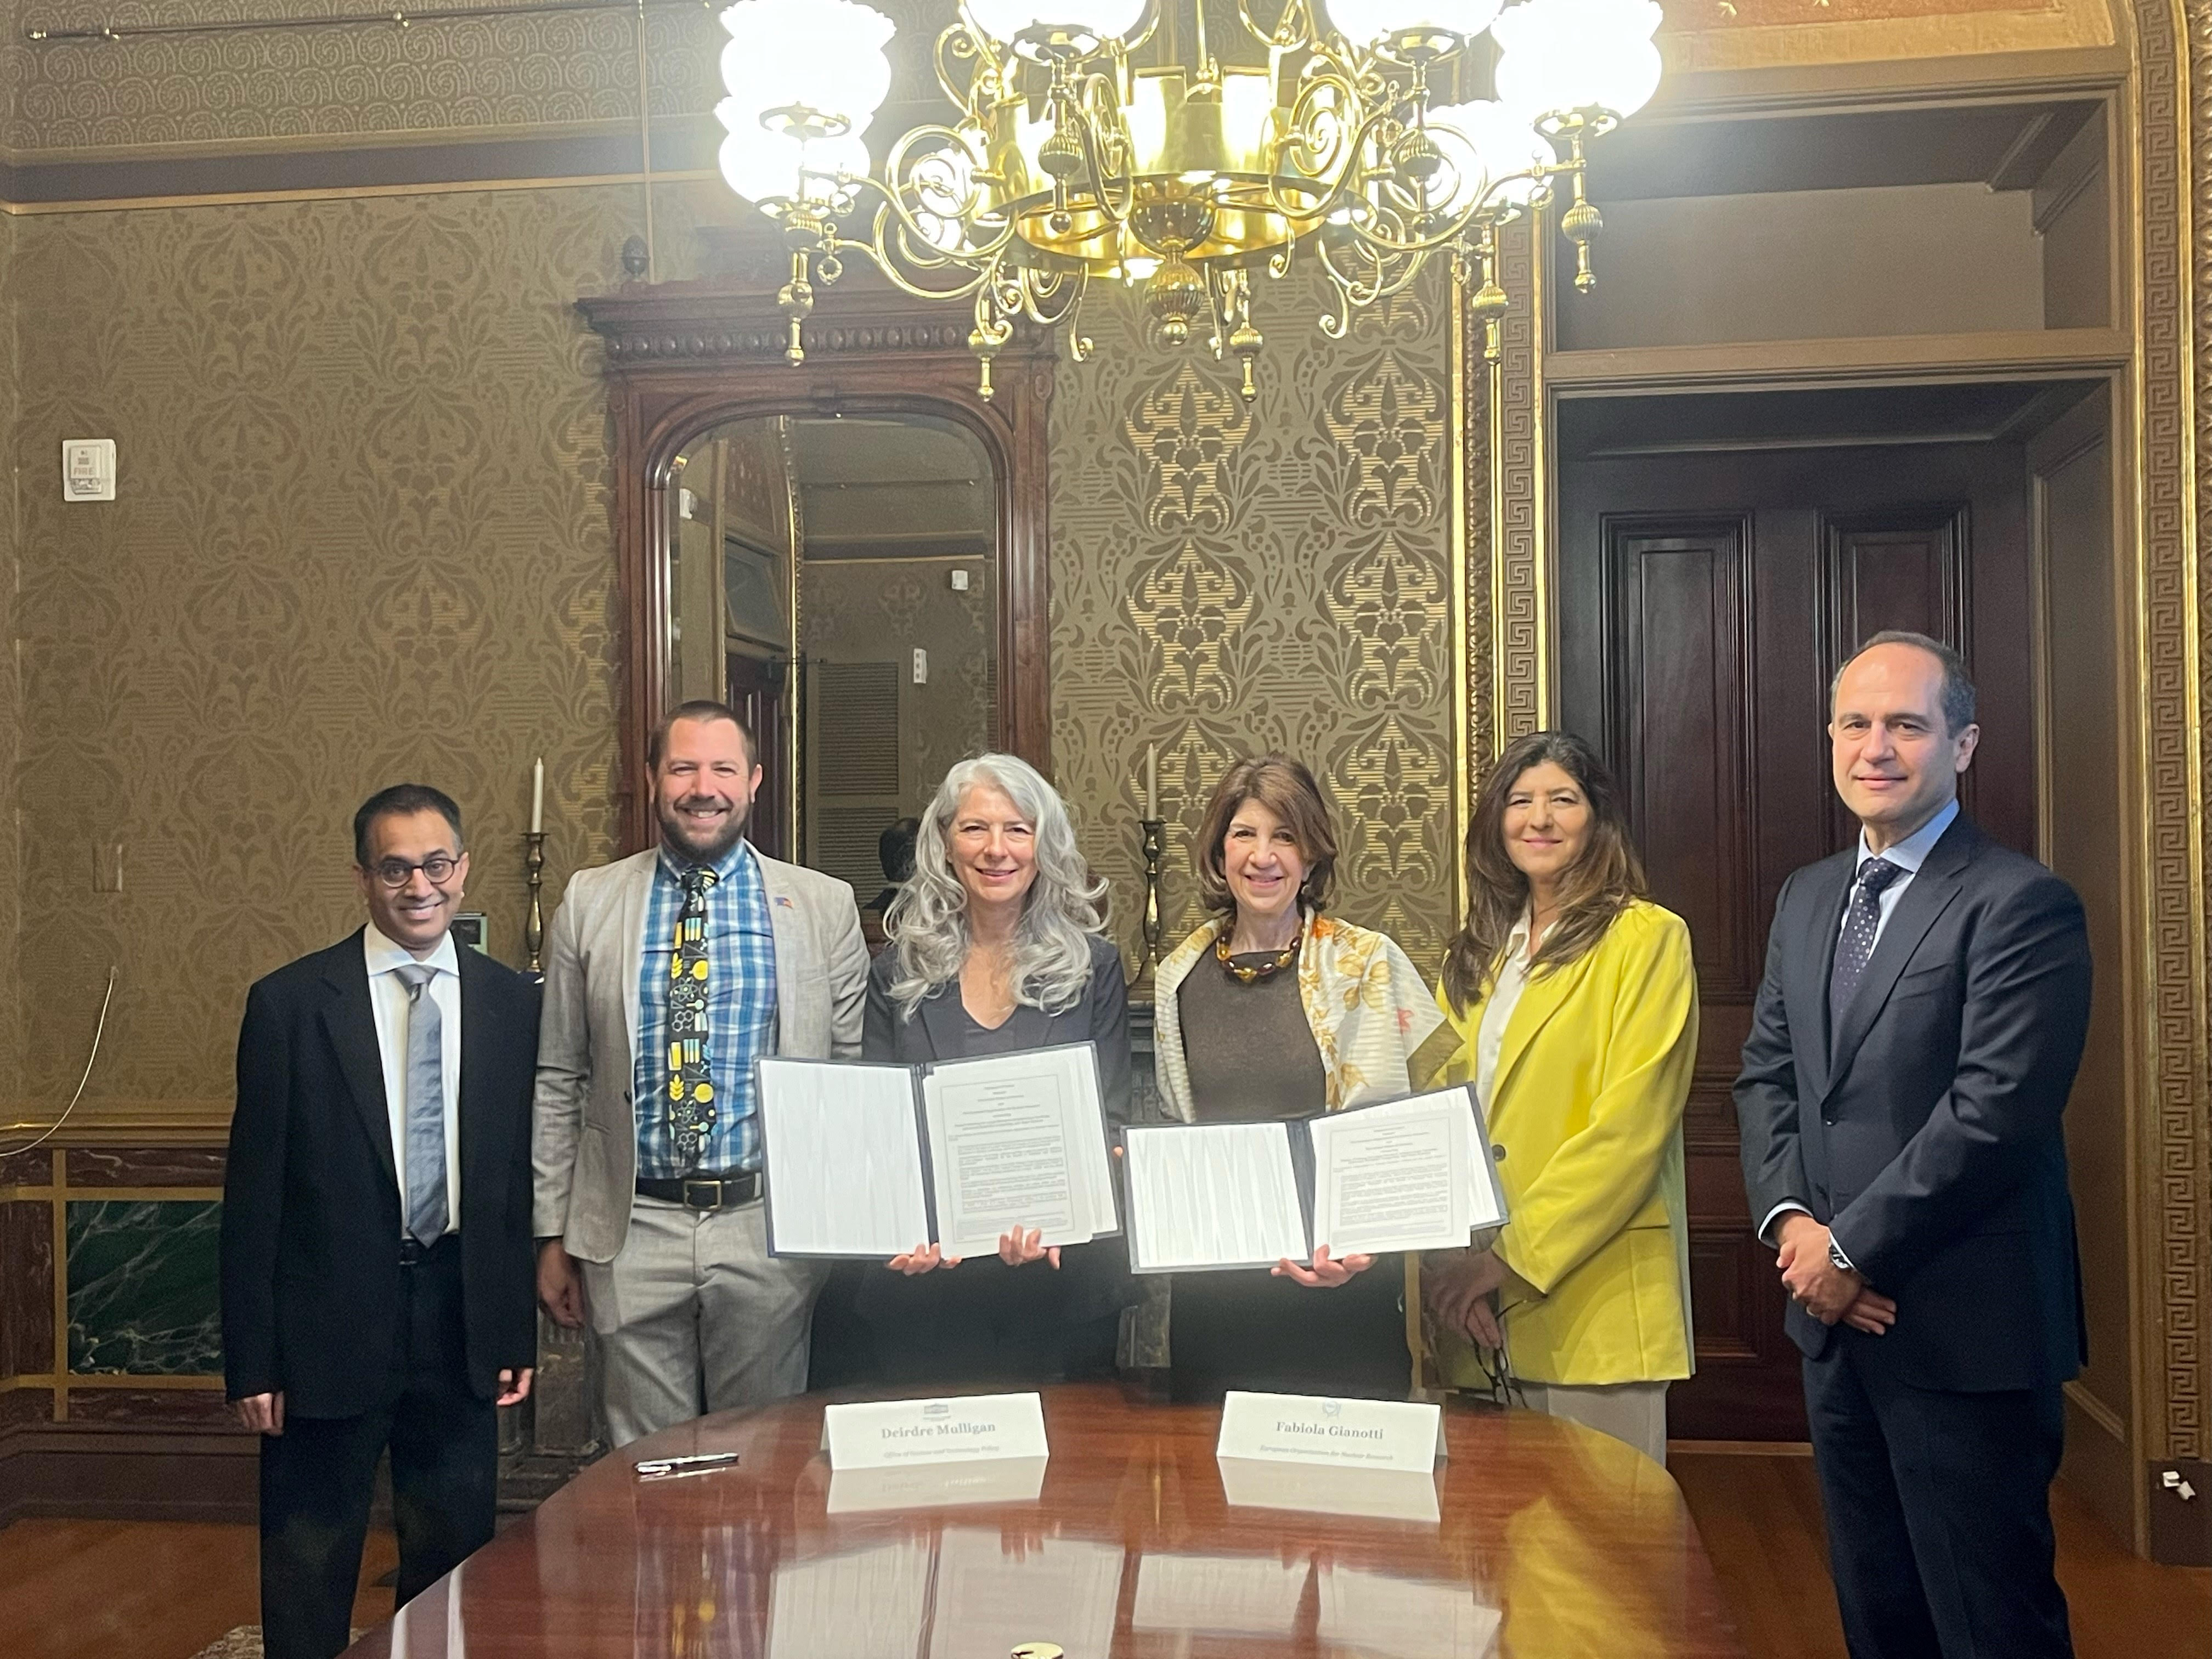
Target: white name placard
883, 1434
1301, 1428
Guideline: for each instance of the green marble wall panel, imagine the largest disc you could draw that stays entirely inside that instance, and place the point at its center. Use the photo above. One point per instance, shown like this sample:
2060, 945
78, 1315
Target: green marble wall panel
142, 1287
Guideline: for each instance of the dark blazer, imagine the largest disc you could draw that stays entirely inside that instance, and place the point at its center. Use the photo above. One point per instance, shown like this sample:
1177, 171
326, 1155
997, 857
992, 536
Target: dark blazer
1094, 1277
312, 1212
1928, 1138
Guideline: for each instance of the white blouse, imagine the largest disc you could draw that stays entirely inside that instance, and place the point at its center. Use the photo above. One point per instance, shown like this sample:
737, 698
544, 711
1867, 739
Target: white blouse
1497, 1013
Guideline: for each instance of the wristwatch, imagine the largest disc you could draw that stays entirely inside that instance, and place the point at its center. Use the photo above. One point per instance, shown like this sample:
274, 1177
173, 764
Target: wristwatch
1837, 1256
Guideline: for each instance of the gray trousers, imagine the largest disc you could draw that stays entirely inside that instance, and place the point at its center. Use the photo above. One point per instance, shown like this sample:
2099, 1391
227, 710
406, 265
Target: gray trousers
694, 1316
1633, 1412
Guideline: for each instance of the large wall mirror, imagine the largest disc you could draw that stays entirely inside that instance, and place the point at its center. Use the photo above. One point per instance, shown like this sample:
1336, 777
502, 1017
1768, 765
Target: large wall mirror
851, 548
836, 577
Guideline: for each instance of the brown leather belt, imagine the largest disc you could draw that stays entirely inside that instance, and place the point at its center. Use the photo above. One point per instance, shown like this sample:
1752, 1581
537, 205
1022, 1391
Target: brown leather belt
713, 1192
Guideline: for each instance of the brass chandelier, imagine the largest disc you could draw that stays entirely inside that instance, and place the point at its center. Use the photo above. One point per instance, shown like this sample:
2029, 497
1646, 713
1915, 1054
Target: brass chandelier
1106, 139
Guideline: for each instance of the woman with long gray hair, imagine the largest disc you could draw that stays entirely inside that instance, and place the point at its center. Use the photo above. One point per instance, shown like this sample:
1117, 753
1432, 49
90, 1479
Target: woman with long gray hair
996, 946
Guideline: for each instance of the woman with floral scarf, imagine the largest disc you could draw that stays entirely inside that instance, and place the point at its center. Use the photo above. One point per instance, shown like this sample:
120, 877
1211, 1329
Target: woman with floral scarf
1274, 1010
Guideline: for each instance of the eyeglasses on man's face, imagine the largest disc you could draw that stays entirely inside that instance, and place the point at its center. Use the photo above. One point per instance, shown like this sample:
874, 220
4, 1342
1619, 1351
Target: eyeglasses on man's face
396, 874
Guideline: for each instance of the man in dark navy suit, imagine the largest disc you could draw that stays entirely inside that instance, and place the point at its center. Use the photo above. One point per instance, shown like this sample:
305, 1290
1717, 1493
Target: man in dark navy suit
378, 1280
1923, 1008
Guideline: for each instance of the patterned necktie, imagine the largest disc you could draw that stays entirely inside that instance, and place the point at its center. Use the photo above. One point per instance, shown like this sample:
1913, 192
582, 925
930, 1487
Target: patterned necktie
1855, 943
426, 1107
691, 1090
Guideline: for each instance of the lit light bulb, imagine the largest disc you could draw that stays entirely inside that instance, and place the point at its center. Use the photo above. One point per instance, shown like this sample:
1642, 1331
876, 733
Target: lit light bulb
1577, 54
1485, 141
824, 55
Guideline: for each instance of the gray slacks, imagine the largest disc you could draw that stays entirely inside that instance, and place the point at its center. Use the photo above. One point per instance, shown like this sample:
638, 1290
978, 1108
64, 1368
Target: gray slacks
694, 1316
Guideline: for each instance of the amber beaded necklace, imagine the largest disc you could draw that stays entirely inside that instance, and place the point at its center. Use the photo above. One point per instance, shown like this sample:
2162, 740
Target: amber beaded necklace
1251, 973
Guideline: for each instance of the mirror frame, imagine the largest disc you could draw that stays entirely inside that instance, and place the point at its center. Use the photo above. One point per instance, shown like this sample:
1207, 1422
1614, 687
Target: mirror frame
684, 357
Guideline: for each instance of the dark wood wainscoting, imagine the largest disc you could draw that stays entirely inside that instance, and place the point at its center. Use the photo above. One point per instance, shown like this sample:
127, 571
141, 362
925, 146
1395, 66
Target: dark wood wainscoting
1706, 599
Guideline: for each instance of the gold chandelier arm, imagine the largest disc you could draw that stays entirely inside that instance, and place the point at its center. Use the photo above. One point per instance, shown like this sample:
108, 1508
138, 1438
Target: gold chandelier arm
960, 41
891, 267
1102, 177
1306, 36
898, 178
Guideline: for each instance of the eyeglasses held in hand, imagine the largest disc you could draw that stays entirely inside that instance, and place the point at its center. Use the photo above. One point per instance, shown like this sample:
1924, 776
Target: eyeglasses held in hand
396, 874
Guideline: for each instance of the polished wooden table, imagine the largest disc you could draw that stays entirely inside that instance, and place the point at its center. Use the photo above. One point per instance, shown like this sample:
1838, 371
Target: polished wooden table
1535, 1538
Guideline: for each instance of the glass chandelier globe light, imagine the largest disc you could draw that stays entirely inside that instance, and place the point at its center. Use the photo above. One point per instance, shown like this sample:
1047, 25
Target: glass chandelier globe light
1365, 21
1114, 140
1493, 150
1586, 55
765, 167
1100, 20
805, 78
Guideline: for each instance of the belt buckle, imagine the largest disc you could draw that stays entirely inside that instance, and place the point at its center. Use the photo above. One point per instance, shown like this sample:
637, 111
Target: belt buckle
692, 1185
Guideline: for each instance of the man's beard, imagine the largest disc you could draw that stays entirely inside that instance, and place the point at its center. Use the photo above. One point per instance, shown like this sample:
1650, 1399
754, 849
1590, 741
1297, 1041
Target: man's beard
674, 833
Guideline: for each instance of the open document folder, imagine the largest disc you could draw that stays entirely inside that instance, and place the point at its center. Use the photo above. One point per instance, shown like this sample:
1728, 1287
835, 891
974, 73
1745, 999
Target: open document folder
871, 1161
1400, 1175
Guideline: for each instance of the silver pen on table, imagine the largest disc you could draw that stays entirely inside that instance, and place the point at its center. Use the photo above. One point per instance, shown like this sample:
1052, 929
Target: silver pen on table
659, 1468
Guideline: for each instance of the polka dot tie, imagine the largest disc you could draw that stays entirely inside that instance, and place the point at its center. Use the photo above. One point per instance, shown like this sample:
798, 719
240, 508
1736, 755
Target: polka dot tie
1857, 943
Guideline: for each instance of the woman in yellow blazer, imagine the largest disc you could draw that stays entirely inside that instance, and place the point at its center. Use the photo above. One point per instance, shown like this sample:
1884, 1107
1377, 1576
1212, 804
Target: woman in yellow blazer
1575, 1007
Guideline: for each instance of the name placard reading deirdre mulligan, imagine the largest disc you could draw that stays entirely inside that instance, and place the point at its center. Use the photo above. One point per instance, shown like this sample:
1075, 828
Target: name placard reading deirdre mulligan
881, 1434
1298, 1428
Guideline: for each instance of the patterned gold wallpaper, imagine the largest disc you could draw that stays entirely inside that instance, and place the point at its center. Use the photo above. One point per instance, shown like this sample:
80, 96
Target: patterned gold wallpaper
361, 536
1228, 579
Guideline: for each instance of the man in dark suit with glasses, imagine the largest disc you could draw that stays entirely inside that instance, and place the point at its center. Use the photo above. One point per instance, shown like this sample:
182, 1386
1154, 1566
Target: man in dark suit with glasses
378, 1273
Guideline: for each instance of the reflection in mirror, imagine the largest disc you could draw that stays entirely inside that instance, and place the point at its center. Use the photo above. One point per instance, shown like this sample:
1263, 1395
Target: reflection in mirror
835, 579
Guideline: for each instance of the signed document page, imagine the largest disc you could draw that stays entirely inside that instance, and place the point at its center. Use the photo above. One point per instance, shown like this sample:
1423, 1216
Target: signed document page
843, 1160
1404, 1175
1213, 1195
1394, 1177
1019, 1140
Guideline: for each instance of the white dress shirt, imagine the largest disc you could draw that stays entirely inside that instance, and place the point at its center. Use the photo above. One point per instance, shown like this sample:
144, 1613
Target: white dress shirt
1498, 1012
387, 995
1907, 855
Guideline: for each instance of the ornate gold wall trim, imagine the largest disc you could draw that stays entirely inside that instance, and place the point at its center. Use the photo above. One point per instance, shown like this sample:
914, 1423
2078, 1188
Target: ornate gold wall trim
2030, 29
1469, 735
2174, 68
1520, 583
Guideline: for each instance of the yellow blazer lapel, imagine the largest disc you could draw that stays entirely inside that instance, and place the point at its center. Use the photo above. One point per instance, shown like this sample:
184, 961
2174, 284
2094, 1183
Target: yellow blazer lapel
1543, 996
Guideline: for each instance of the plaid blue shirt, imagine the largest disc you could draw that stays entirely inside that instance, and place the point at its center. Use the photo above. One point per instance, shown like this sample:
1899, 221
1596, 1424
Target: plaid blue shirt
740, 1014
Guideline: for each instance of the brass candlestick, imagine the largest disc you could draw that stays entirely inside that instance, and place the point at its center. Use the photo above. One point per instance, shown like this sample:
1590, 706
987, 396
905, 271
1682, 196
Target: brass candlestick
533, 925
1155, 843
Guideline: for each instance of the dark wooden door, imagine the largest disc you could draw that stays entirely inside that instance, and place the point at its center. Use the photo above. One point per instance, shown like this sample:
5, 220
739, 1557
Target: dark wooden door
1706, 600
759, 690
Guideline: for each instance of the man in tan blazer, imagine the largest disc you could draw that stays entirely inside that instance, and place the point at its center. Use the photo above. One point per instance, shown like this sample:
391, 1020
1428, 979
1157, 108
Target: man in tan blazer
667, 974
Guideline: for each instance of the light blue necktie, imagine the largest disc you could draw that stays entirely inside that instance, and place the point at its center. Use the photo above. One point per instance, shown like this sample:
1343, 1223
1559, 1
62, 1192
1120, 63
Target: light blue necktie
426, 1107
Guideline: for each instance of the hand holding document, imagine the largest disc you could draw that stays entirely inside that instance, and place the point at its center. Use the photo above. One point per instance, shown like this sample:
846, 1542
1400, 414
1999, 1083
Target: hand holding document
1403, 1174
875, 1160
